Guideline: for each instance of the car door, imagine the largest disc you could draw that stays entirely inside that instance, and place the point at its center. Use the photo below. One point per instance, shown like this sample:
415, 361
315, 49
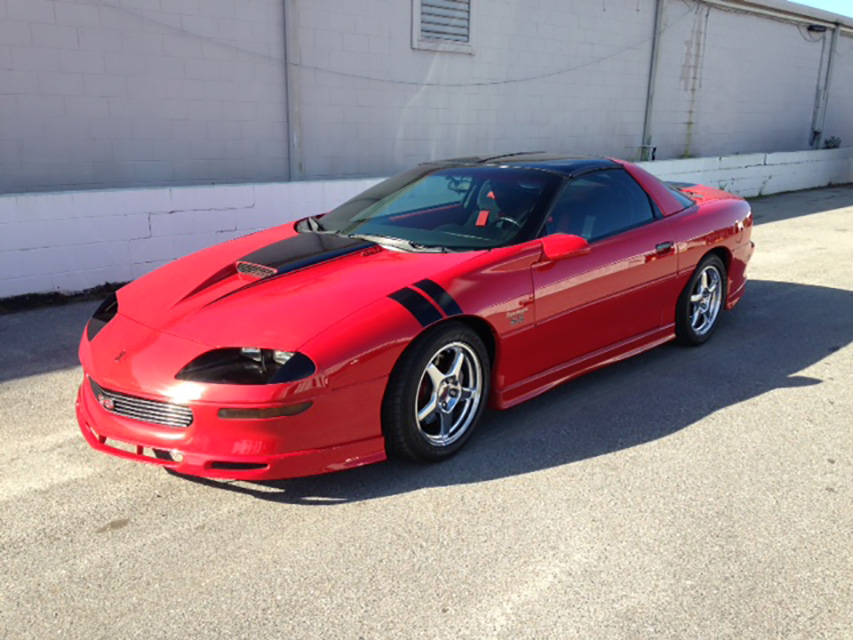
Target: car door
620, 288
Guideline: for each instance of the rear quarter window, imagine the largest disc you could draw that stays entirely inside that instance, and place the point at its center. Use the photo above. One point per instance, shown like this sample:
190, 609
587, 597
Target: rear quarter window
675, 188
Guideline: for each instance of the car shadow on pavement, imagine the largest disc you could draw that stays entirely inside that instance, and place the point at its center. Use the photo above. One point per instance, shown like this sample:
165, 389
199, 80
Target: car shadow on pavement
777, 331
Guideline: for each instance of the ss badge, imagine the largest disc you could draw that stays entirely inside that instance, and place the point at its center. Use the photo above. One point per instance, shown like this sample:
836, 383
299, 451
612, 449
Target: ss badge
517, 317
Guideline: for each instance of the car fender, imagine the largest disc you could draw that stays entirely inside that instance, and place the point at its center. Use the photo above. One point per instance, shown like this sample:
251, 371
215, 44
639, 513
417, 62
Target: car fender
723, 225
364, 346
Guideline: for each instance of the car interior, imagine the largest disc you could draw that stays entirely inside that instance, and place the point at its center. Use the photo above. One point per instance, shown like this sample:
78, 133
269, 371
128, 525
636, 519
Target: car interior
489, 209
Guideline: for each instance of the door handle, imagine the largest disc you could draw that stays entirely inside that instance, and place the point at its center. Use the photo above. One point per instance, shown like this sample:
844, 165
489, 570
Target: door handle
663, 248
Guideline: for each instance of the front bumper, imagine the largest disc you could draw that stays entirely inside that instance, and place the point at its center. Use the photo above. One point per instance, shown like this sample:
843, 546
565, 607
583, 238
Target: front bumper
340, 431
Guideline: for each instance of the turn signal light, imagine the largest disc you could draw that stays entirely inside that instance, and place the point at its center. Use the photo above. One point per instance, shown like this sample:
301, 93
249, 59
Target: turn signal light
263, 414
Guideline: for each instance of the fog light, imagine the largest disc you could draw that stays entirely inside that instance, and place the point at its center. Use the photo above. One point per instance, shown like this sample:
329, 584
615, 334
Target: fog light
177, 456
262, 414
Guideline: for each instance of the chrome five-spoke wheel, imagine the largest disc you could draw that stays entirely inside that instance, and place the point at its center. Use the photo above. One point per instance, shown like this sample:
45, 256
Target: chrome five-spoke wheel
449, 393
437, 393
701, 301
706, 300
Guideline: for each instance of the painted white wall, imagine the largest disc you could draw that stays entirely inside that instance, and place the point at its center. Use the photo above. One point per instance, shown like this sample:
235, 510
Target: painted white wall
734, 83
761, 174
131, 93
568, 76
155, 93
411, 105
75, 240
839, 113
71, 241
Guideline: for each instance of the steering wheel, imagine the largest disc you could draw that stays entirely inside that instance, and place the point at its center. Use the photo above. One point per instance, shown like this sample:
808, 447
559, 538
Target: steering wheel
512, 221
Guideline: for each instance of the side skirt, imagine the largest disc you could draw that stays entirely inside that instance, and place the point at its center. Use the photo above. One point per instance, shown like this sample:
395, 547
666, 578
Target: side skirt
547, 380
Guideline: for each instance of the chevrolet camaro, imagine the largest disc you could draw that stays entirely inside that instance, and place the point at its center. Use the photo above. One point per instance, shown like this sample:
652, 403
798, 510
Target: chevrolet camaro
388, 325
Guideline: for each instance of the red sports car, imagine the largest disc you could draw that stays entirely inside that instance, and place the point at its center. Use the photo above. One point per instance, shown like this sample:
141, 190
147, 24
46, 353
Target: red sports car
387, 325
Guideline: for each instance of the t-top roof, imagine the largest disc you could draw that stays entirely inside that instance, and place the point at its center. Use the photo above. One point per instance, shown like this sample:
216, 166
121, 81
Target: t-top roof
557, 163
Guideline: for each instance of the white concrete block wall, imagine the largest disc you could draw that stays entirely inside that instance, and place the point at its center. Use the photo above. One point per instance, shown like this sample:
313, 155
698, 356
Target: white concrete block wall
71, 241
728, 82
731, 82
108, 93
75, 240
357, 126
759, 174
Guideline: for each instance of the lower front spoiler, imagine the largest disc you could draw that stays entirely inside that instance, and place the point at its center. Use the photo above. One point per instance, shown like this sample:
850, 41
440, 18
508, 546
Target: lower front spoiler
296, 464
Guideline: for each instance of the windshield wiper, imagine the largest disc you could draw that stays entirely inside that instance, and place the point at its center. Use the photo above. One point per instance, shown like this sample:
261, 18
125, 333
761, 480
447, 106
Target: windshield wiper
314, 223
397, 242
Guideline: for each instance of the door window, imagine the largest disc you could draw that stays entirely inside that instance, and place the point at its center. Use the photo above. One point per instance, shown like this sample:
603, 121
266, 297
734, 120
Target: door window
600, 204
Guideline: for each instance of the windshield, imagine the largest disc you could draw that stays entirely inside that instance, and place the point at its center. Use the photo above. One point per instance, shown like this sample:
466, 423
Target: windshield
457, 209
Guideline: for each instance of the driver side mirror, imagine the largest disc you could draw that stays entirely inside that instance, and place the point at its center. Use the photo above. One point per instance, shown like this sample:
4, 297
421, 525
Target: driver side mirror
563, 245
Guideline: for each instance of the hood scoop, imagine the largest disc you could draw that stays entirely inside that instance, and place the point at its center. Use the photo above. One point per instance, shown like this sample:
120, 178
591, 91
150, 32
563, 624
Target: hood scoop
291, 254
254, 271
298, 252
284, 256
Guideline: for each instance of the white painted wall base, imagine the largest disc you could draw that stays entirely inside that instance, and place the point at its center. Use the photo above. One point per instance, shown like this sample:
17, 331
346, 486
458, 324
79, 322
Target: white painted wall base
72, 241
761, 174
76, 240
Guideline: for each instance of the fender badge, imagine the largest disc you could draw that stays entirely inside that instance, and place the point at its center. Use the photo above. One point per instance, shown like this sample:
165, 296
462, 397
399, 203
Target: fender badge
516, 317
120, 355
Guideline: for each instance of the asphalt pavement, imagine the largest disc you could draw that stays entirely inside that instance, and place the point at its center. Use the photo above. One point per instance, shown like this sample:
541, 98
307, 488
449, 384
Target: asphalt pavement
686, 493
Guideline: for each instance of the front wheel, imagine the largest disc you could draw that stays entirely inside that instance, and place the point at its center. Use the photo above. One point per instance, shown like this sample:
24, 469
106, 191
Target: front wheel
700, 303
436, 394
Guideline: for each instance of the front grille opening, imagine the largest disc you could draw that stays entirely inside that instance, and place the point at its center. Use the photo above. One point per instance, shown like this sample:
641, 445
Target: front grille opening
138, 450
238, 466
141, 409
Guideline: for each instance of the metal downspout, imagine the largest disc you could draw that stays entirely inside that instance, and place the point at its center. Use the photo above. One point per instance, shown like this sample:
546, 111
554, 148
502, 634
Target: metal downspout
647, 151
289, 99
818, 90
820, 115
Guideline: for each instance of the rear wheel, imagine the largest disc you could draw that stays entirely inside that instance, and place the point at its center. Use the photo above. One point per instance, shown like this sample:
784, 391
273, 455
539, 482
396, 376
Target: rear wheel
700, 303
436, 394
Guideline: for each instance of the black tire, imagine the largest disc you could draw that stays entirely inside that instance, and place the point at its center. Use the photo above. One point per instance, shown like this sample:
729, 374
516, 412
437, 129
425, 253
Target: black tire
686, 330
410, 388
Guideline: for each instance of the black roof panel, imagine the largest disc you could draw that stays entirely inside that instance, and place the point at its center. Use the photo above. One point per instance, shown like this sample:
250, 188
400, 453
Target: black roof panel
563, 164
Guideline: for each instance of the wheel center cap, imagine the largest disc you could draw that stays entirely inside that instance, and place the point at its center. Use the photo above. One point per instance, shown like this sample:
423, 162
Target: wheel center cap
447, 390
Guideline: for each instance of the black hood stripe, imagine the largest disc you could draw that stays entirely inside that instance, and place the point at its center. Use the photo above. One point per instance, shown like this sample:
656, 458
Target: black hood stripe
298, 252
417, 304
304, 250
440, 296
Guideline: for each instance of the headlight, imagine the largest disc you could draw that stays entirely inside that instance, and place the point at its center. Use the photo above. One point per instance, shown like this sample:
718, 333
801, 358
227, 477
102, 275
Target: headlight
106, 312
248, 365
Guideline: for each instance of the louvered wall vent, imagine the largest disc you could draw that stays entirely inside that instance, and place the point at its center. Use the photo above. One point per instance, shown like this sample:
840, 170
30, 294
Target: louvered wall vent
446, 20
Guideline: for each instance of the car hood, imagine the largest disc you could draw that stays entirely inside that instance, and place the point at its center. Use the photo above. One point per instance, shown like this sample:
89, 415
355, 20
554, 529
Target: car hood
274, 289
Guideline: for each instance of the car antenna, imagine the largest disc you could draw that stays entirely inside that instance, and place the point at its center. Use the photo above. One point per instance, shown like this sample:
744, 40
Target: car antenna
509, 155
